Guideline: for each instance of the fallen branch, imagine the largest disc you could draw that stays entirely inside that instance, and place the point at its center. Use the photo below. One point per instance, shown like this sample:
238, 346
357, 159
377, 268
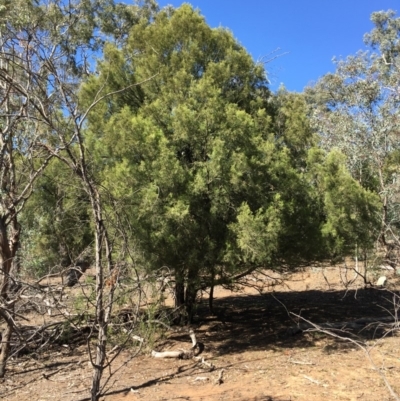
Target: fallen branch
201, 379
170, 354
219, 380
356, 324
312, 380
208, 365
196, 349
300, 362
48, 375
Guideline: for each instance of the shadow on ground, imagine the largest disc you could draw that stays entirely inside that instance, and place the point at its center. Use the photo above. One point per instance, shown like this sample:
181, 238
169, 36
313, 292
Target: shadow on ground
264, 321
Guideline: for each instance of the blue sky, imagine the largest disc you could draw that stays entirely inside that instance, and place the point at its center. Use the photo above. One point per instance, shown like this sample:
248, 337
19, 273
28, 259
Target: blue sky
311, 31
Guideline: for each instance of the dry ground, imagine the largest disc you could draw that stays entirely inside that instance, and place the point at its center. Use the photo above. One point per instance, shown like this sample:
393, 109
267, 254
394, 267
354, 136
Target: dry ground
247, 337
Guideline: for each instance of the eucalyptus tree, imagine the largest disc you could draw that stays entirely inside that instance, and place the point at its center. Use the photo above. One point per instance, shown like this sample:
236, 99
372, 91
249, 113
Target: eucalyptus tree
356, 110
24, 99
193, 155
47, 48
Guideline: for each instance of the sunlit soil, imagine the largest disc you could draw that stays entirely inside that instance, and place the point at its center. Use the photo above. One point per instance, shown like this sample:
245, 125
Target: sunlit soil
250, 338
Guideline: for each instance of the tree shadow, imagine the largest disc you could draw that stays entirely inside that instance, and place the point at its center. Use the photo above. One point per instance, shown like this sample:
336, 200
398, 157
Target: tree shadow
264, 398
261, 322
47, 368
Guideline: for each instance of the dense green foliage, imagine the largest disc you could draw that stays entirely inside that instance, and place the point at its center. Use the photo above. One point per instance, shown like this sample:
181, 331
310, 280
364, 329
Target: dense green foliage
356, 111
59, 212
199, 167
207, 162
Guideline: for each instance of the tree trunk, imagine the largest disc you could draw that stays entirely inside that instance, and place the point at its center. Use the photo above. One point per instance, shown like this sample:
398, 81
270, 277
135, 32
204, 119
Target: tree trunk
5, 347
5, 260
190, 300
211, 297
103, 309
8, 249
191, 292
98, 366
185, 295
179, 290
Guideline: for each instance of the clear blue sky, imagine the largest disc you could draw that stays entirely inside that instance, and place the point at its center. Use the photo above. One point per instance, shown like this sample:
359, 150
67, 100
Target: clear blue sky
311, 31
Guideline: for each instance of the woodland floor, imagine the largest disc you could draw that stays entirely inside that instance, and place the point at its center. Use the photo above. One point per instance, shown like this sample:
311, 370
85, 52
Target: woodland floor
248, 338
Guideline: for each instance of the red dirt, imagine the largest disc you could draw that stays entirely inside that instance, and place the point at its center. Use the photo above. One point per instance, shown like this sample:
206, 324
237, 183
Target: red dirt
247, 338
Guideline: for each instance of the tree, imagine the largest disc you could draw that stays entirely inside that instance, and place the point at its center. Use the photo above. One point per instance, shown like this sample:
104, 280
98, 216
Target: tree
301, 240
351, 212
21, 161
46, 50
356, 110
56, 223
192, 156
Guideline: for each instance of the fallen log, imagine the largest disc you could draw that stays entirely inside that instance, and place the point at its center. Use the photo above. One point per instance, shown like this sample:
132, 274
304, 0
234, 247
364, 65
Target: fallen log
196, 349
172, 354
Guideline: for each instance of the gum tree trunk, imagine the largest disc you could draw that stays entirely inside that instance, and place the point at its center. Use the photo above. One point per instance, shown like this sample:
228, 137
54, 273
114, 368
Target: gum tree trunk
8, 248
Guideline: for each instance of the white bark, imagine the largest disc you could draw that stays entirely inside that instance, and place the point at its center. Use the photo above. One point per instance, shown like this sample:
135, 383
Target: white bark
181, 354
